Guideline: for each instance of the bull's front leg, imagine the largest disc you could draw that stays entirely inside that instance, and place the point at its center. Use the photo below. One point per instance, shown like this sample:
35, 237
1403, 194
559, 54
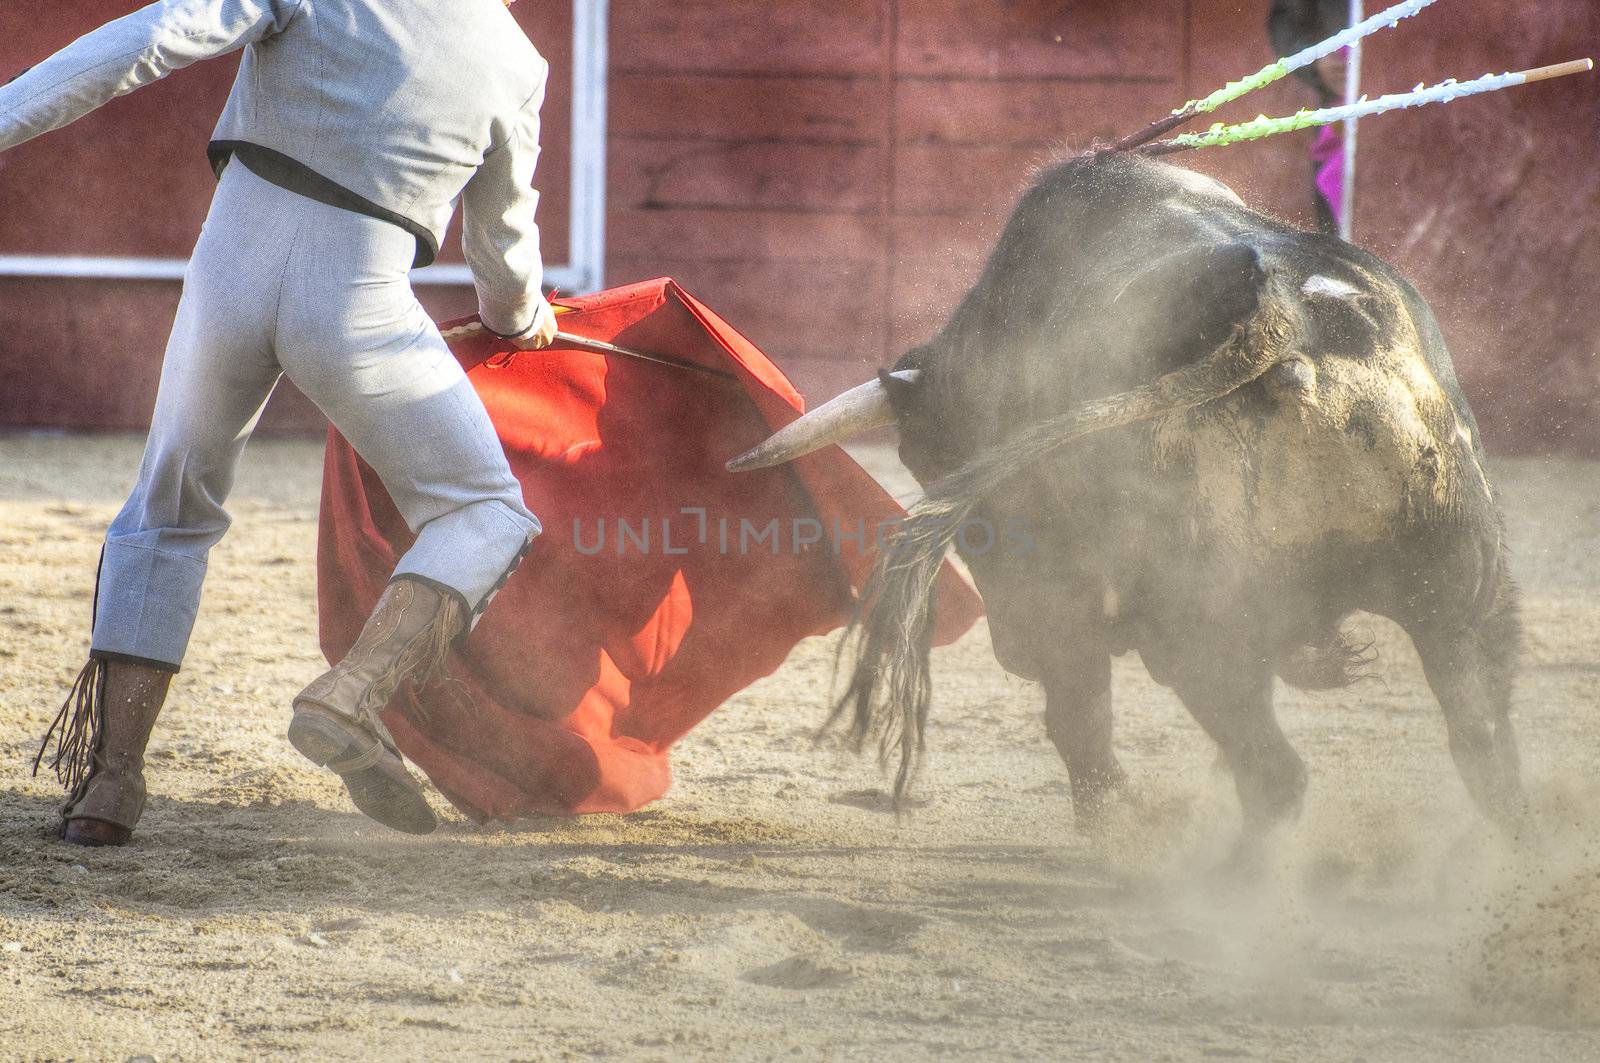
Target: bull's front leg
1074, 664
1053, 631
1047, 623
1077, 717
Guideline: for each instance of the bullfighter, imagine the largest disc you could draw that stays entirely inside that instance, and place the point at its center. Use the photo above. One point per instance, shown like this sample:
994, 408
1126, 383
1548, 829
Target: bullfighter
352, 130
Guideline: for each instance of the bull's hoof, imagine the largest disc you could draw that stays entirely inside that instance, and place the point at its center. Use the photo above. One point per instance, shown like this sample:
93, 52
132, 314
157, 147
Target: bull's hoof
1096, 794
1250, 860
1097, 808
1255, 857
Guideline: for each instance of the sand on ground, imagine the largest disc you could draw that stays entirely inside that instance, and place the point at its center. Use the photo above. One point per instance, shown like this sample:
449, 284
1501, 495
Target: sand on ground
772, 905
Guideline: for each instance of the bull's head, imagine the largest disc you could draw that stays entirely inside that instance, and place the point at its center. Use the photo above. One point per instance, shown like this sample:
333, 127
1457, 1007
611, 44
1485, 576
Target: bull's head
866, 406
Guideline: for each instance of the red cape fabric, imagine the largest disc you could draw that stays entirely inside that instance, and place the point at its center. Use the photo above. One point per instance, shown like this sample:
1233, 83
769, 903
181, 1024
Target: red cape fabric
609, 642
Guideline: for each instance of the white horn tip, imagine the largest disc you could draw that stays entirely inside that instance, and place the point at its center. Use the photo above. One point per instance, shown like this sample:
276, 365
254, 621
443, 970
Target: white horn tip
862, 407
750, 459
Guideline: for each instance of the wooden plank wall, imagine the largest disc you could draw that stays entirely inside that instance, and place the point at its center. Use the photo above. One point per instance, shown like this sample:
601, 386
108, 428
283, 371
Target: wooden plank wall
830, 173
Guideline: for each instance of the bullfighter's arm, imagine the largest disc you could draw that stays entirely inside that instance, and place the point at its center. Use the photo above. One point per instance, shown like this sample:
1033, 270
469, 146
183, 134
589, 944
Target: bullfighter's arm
499, 234
130, 53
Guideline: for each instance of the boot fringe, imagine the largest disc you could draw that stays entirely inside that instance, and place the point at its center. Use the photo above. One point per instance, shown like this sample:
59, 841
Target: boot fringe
422, 663
444, 685
77, 728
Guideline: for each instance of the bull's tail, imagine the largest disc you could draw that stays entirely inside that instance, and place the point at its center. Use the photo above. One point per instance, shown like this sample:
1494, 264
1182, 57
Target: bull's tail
890, 689
892, 634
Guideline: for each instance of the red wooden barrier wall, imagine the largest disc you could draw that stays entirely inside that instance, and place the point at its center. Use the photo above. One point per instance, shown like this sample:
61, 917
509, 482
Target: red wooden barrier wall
131, 179
830, 174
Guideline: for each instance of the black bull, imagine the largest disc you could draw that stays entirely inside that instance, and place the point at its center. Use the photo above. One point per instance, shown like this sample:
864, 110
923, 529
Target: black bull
1223, 436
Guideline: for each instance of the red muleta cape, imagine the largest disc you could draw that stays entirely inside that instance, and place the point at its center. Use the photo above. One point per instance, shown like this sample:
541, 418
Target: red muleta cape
600, 653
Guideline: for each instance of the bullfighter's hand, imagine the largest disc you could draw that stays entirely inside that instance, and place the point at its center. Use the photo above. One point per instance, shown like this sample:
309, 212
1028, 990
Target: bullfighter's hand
542, 332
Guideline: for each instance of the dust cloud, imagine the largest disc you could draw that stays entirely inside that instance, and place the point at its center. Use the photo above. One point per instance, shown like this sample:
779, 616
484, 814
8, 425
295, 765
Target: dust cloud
772, 904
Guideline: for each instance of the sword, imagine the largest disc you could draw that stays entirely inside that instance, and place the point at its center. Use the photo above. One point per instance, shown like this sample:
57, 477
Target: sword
583, 343
602, 347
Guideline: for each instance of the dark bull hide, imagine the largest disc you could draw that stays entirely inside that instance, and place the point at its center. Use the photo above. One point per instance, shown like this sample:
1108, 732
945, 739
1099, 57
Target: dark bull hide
1220, 436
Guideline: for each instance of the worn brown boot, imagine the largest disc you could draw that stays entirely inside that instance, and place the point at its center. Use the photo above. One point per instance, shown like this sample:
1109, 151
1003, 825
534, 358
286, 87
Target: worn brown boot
336, 722
106, 724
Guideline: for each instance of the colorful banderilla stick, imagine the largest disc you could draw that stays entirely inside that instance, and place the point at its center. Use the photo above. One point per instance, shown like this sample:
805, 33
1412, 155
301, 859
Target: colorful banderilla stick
1270, 73
1262, 126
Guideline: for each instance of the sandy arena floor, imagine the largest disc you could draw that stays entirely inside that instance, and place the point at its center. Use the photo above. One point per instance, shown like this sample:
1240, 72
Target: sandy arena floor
771, 905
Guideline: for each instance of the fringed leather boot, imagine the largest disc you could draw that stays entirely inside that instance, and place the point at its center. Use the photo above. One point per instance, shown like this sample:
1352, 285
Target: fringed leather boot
100, 737
336, 722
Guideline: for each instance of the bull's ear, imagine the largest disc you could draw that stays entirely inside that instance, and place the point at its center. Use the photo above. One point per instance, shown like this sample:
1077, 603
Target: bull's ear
1189, 303
902, 393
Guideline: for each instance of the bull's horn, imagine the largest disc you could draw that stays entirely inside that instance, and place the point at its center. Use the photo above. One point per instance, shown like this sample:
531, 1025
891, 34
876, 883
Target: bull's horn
862, 407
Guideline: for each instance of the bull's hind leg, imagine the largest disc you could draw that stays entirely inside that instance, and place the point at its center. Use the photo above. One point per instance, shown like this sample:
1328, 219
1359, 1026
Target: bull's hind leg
1470, 670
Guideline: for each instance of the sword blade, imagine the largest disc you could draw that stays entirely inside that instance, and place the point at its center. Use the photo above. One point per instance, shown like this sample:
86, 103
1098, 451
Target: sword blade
582, 343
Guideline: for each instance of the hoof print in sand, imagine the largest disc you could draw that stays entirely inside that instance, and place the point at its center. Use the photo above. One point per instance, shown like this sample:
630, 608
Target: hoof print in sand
799, 972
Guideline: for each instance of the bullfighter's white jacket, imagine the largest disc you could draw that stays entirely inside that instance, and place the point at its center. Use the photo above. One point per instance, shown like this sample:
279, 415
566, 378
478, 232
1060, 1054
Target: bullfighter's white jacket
393, 108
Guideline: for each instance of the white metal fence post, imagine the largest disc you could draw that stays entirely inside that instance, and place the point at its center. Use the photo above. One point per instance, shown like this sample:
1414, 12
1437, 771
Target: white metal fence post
1352, 93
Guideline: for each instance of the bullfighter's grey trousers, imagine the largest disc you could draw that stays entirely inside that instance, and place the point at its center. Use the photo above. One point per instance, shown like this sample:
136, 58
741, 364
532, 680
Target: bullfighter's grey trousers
281, 284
